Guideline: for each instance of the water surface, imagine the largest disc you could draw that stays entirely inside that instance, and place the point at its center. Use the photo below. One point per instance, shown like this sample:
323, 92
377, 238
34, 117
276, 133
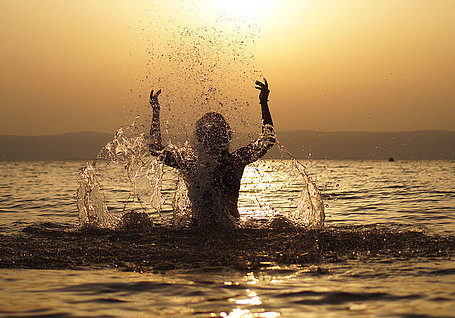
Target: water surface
352, 289
414, 199
412, 193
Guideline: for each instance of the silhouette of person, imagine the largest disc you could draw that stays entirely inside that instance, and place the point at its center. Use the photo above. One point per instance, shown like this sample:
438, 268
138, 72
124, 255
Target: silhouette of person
211, 173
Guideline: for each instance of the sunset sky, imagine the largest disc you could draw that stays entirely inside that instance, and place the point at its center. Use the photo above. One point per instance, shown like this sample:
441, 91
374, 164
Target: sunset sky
70, 66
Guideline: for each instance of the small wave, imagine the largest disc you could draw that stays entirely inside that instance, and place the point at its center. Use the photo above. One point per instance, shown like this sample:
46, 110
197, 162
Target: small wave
440, 272
104, 288
338, 298
100, 300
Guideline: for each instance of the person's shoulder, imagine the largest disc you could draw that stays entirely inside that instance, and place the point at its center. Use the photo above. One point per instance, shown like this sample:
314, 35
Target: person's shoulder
184, 155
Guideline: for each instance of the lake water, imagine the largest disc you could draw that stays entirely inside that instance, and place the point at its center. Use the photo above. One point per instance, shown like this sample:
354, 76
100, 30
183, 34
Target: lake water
417, 195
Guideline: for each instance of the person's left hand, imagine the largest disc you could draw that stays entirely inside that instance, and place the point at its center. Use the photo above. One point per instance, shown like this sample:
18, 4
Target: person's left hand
264, 88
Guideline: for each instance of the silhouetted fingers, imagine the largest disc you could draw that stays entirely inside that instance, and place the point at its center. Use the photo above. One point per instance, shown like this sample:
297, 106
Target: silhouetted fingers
260, 85
154, 97
266, 84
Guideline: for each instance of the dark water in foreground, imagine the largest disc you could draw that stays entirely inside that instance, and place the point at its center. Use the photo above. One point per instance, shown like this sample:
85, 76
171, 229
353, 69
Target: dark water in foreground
404, 269
352, 289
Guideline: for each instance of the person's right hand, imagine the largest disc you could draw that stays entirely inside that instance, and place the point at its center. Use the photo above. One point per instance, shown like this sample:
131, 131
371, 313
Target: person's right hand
154, 100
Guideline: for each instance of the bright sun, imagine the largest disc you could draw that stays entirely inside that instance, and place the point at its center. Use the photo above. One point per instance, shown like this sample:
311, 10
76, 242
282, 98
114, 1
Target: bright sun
242, 9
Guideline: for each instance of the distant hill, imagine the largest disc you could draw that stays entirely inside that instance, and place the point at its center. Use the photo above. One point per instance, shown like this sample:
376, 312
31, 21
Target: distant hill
423, 145
415, 145
73, 146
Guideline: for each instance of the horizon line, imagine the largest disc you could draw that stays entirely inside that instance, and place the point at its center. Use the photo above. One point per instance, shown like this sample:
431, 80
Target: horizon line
280, 131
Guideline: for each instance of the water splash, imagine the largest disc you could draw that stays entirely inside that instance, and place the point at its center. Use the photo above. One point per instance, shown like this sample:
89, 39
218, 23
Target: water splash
145, 176
262, 203
91, 203
181, 205
144, 172
310, 208
200, 69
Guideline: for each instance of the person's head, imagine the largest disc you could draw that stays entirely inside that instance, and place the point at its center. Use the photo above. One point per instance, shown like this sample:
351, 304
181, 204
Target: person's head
213, 132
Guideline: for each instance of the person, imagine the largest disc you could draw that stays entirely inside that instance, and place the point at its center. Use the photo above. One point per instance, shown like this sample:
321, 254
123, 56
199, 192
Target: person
211, 173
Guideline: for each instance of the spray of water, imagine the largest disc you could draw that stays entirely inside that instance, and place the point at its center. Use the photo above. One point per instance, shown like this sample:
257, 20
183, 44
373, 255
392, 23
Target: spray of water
91, 204
310, 209
145, 174
200, 69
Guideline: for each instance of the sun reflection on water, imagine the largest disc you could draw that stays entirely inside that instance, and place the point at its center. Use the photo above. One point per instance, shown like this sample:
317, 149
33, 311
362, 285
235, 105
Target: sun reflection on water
250, 300
245, 313
261, 188
254, 299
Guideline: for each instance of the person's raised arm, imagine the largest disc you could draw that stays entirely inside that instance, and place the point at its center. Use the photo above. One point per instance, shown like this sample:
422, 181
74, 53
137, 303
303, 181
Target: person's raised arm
259, 148
263, 100
155, 145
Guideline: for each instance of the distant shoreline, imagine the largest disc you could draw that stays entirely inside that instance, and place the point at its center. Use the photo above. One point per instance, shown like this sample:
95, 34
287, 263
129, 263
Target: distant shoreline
413, 145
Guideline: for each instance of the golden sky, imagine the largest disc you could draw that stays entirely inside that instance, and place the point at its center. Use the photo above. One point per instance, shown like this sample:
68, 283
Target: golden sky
69, 66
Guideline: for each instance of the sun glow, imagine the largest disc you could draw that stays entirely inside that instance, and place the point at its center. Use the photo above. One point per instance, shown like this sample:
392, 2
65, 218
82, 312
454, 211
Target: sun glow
243, 9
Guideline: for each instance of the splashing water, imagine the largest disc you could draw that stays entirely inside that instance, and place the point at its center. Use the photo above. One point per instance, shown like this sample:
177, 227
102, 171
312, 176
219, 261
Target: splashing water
181, 205
200, 69
144, 171
310, 209
91, 204
145, 174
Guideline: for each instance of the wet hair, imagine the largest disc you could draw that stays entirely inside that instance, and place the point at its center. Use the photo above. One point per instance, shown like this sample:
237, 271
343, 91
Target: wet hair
213, 130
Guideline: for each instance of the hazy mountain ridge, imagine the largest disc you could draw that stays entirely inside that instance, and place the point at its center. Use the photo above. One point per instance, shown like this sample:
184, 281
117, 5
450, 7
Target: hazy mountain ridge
413, 145
424, 145
71, 146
